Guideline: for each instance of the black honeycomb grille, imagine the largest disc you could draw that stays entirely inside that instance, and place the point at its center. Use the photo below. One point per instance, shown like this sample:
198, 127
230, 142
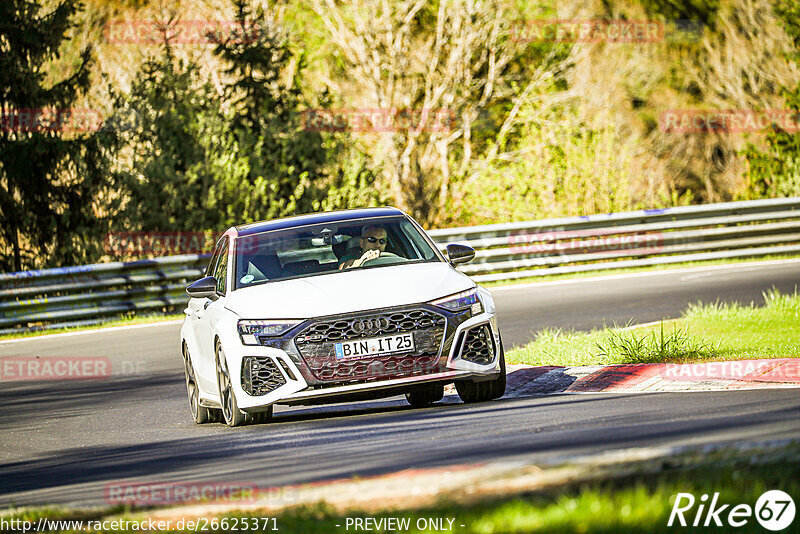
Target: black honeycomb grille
349, 328
478, 346
316, 344
260, 375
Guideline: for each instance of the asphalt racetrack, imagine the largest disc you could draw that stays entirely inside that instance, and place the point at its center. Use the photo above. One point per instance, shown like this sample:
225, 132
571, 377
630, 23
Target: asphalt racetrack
65, 441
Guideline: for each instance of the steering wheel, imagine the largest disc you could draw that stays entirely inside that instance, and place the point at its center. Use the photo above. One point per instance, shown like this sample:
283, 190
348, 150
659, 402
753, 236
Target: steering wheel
385, 258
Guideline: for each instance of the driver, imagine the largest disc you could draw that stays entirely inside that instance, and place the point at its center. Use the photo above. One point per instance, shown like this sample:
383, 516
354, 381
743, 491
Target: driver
371, 243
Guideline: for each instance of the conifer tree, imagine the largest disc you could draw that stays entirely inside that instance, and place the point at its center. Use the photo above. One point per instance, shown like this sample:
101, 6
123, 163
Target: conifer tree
51, 177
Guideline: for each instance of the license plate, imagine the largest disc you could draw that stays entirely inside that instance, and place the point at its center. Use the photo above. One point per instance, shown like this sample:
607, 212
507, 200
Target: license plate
376, 346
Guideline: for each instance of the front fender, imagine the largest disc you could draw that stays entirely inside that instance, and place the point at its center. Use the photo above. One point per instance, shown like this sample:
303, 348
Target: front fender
235, 351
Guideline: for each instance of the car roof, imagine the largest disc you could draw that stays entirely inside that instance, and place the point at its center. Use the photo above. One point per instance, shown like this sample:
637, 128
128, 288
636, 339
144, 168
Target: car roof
315, 218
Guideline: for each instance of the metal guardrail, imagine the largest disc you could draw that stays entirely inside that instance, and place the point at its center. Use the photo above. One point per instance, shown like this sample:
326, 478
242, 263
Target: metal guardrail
630, 239
87, 294
73, 296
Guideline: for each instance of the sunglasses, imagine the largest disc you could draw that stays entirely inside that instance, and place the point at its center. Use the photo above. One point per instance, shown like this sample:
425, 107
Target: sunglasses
382, 240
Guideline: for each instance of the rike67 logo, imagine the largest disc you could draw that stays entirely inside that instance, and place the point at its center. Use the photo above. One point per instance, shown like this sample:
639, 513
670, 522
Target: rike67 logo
774, 510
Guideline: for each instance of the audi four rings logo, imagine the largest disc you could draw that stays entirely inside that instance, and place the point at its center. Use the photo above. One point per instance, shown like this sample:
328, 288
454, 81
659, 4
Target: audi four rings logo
372, 324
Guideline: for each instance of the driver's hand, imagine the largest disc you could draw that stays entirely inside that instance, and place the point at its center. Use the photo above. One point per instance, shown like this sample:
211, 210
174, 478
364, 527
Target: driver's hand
368, 255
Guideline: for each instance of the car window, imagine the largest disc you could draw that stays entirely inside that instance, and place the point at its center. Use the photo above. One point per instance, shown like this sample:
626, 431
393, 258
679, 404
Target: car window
322, 249
221, 271
212, 265
417, 241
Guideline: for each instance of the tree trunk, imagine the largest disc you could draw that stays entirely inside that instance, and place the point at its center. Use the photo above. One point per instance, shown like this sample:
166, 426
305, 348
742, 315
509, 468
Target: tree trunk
15, 245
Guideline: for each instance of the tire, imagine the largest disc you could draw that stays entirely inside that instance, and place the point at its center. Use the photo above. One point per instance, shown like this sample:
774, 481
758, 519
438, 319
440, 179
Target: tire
470, 392
231, 414
200, 414
425, 395
499, 385
261, 418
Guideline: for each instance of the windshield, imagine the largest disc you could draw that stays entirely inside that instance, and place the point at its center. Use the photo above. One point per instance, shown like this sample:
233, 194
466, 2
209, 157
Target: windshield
329, 248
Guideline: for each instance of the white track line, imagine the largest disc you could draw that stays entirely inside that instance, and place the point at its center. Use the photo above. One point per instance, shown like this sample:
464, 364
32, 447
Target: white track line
94, 331
701, 268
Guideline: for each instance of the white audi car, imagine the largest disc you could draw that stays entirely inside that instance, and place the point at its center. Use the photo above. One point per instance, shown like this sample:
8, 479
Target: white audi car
334, 307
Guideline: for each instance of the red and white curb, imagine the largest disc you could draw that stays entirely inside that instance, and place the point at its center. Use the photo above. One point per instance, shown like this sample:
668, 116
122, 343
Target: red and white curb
526, 380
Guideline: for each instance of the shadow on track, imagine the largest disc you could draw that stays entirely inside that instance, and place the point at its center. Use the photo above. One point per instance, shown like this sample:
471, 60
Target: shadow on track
301, 448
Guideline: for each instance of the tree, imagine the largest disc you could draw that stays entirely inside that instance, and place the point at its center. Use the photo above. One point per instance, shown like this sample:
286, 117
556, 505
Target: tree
51, 180
774, 170
445, 65
286, 163
204, 160
172, 154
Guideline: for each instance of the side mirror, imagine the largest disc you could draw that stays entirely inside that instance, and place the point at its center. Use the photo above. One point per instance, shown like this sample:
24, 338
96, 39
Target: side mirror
205, 287
460, 253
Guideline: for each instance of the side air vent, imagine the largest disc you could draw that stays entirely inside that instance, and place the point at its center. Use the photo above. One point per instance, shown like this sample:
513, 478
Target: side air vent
478, 347
260, 375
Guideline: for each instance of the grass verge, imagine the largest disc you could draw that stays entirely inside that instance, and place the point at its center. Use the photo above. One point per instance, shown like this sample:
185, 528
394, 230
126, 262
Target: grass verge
634, 504
703, 333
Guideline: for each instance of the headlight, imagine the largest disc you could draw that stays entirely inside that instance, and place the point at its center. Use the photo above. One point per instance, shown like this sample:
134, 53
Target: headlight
461, 301
249, 330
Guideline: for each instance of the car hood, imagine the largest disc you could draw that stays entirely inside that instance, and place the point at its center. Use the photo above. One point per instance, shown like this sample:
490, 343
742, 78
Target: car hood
350, 291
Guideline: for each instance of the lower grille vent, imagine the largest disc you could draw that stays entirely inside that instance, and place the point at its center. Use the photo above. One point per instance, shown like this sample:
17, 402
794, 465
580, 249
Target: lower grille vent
478, 346
260, 375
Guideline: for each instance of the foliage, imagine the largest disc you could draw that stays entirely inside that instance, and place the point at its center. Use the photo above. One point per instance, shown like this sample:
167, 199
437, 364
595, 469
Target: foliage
170, 171
52, 182
701, 10
538, 129
284, 162
205, 159
448, 63
557, 165
774, 170
626, 346
352, 182
789, 13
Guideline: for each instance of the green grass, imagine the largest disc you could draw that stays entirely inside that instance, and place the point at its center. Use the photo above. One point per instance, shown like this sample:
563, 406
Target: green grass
636, 504
676, 345
125, 320
611, 270
703, 333
639, 503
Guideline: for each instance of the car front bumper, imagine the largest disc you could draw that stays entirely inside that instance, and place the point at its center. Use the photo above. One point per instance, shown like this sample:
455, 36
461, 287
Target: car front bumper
295, 389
